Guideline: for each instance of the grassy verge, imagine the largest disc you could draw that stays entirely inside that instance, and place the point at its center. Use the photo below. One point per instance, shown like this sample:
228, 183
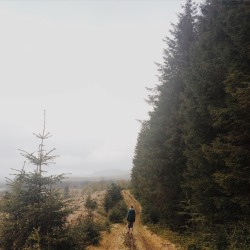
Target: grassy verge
182, 242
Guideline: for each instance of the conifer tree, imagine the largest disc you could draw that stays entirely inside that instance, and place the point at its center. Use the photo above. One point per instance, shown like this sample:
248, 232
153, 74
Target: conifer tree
216, 125
34, 211
161, 154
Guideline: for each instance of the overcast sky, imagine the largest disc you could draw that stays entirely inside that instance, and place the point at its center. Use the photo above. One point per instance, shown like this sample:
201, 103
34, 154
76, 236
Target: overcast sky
87, 63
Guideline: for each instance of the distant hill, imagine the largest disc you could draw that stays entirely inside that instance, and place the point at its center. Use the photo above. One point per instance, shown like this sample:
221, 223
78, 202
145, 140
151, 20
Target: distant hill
111, 174
104, 178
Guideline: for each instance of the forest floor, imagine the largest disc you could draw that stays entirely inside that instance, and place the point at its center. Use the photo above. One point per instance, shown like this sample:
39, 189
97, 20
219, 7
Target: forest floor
140, 239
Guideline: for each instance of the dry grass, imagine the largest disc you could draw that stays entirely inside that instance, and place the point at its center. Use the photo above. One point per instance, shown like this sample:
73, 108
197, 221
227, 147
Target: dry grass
79, 200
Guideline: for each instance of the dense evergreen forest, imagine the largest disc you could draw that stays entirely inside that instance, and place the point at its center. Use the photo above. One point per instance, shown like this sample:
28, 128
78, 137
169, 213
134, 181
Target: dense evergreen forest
191, 168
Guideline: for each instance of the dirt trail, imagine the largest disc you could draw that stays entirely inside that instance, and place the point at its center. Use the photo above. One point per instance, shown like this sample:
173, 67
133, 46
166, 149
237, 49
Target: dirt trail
140, 239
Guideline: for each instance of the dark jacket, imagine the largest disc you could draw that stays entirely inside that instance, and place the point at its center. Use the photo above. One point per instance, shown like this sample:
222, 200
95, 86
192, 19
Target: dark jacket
131, 215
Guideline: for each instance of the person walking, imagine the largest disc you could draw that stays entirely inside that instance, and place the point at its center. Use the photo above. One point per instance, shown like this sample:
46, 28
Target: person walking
131, 219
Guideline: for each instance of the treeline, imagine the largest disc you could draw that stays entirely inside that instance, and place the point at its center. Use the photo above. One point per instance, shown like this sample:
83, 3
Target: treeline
191, 165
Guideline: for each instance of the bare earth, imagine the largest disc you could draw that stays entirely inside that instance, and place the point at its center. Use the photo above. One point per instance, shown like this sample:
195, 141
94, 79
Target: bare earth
140, 239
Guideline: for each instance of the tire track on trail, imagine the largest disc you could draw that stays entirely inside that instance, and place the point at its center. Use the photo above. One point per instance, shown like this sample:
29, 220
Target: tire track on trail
140, 239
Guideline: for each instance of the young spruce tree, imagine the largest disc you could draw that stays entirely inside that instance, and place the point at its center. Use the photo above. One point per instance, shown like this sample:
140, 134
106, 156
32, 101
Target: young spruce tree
33, 209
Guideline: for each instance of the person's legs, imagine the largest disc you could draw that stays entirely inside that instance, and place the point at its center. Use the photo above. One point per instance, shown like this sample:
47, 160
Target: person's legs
130, 226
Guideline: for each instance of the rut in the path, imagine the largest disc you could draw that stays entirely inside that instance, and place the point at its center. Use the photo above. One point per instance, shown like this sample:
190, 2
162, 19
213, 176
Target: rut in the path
129, 241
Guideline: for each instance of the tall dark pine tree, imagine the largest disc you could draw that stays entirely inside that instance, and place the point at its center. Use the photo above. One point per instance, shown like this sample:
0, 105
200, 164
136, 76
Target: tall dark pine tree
229, 151
143, 175
217, 124
159, 159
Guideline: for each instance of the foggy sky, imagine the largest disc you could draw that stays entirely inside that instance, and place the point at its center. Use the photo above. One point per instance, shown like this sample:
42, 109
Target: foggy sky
87, 64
